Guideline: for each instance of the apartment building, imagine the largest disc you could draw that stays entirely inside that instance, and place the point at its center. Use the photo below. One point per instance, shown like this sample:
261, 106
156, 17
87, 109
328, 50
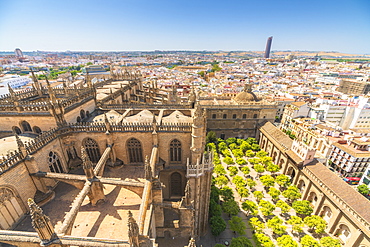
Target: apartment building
350, 157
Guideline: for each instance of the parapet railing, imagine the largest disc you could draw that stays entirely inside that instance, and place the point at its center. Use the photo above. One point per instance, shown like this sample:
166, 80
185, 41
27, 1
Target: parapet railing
143, 106
31, 147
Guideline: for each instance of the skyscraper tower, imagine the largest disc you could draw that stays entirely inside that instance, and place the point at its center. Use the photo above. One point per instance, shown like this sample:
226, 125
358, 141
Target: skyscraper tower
18, 52
268, 47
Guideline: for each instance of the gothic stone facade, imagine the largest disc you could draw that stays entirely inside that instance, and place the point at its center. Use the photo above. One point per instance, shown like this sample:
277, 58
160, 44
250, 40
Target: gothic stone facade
163, 146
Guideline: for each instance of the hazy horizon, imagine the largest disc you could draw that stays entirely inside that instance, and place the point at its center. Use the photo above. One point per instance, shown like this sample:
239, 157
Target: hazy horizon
142, 25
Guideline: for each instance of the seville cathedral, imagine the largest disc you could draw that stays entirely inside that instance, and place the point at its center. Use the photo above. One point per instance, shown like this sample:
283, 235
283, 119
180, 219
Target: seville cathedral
122, 163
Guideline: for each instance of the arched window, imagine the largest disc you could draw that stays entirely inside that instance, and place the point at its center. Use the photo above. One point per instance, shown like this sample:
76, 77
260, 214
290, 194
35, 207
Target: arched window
26, 126
343, 233
175, 151
312, 198
92, 149
54, 163
234, 116
274, 156
37, 130
87, 114
17, 130
82, 114
281, 163
244, 116
291, 173
301, 186
326, 213
11, 209
255, 116
176, 184
78, 119
224, 116
135, 153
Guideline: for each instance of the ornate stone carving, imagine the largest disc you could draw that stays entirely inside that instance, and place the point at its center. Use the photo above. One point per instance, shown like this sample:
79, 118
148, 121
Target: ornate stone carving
133, 231
5, 195
148, 169
192, 243
41, 223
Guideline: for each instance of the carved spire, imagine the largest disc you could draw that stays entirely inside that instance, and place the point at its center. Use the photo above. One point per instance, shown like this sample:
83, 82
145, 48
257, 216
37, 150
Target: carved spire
107, 123
87, 164
192, 243
36, 83
47, 81
148, 169
64, 84
154, 123
11, 91
198, 114
133, 231
192, 97
187, 193
19, 141
88, 80
53, 99
33, 76
41, 223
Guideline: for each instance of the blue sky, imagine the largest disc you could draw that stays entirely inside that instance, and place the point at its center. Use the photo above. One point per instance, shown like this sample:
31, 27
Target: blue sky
126, 25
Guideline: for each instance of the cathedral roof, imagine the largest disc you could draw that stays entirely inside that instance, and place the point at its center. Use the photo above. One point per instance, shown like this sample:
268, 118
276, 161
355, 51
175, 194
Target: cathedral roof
9, 144
177, 117
246, 96
113, 117
145, 116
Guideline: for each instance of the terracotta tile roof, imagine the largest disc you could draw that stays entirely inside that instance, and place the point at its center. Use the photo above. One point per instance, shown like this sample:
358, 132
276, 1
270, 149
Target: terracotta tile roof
352, 151
361, 130
299, 103
280, 138
324, 127
294, 156
355, 200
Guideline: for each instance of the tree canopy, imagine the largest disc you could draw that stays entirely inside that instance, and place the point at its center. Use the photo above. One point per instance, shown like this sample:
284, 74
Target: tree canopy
363, 189
302, 207
241, 242
316, 223
218, 225
231, 207
237, 225
256, 224
308, 241
286, 241
330, 242
250, 206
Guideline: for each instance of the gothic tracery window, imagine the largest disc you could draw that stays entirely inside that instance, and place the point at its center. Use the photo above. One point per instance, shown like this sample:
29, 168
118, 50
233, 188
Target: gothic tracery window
82, 114
92, 149
55, 165
17, 130
175, 151
37, 130
12, 211
134, 151
26, 126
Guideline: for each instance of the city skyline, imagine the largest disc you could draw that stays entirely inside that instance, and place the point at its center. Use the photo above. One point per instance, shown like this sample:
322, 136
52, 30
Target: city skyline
166, 25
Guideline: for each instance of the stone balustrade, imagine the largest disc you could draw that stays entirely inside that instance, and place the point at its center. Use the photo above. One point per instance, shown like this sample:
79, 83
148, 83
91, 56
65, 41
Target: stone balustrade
47, 136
